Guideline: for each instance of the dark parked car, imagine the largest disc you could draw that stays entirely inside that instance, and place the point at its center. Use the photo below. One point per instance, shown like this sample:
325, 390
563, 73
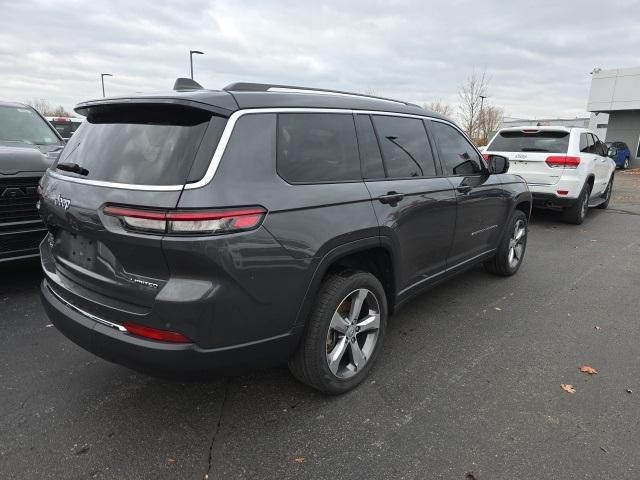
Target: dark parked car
28, 146
66, 126
620, 153
261, 224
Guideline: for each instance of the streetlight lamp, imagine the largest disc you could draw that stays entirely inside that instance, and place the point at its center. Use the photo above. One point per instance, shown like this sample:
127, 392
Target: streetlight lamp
482, 97
191, 52
102, 75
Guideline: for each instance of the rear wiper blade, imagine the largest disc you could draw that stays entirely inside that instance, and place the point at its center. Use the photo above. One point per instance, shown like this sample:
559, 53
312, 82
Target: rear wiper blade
72, 167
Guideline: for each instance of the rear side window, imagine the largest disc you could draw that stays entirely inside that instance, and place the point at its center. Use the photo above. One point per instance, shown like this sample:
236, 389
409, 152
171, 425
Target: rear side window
372, 167
405, 147
458, 156
530, 141
317, 148
584, 143
137, 144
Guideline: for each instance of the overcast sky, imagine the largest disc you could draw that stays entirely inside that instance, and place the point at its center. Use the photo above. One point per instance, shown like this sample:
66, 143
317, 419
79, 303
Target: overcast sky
538, 54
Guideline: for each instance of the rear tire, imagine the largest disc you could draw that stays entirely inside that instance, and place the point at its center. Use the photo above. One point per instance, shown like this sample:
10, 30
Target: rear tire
625, 165
510, 253
607, 194
345, 333
577, 212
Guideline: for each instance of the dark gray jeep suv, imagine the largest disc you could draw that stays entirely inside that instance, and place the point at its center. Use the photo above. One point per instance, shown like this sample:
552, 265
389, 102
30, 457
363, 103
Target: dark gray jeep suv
209, 230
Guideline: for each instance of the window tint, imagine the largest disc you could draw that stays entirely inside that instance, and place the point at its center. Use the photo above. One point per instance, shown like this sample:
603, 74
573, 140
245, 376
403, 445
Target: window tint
372, 167
457, 155
317, 147
600, 148
405, 147
530, 141
145, 145
584, 143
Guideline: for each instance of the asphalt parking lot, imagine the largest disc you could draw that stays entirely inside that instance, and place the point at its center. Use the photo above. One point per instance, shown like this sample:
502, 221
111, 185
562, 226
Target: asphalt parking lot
468, 386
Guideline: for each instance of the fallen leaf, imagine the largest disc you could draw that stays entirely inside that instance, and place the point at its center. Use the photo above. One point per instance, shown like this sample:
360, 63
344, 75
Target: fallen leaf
498, 308
567, 388
171, 461
588, 369
597, 327
628, 390
298, 459
49, 325
470, 476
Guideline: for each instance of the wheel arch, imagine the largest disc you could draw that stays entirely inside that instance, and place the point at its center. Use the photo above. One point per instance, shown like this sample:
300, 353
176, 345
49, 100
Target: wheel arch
372, 254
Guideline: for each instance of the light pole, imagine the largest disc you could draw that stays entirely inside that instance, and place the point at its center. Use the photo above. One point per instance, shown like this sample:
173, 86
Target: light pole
482, 97
102, 75
191, 52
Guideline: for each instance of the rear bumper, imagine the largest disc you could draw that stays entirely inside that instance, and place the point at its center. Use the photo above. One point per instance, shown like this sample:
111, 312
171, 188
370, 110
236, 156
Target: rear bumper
149, 356
549, 200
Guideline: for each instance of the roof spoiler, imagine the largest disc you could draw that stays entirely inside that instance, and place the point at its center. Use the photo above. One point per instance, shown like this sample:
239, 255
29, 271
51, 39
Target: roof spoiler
186, 84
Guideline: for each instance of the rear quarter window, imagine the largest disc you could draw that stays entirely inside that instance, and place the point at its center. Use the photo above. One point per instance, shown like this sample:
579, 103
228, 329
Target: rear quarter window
317, 148
530, 141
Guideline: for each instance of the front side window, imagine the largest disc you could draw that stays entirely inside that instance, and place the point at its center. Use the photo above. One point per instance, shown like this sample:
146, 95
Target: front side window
317, 148
405, 147
457, 155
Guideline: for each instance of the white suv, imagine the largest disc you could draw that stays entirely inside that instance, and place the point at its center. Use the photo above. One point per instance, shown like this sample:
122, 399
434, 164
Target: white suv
566, 168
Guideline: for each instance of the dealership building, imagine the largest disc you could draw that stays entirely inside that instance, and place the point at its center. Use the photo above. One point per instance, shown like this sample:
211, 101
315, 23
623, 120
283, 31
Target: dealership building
616, 94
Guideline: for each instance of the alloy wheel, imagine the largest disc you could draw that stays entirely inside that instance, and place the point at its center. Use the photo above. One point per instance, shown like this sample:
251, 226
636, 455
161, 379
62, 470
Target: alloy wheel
516, 243
353, 333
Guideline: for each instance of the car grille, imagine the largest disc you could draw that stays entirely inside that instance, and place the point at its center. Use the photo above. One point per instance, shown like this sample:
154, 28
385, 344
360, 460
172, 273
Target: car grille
18, 198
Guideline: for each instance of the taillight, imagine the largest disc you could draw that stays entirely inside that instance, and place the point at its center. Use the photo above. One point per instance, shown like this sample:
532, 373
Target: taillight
200, 222
563, 161
156, 334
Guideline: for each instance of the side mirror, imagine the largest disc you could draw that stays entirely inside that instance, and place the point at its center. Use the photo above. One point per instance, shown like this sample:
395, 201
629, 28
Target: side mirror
498, 164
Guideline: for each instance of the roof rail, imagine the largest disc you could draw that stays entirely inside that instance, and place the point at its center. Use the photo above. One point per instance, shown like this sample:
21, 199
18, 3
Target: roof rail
186, 84
266, 87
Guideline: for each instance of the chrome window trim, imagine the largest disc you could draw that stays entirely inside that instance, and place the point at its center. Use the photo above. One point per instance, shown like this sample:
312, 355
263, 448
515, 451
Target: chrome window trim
224, 141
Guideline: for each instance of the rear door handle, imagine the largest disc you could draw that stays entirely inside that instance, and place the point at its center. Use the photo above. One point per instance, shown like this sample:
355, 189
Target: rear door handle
463, 188
391, 198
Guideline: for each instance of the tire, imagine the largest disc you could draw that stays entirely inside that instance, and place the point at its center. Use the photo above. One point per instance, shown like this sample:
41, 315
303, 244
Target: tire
311, 362
607, 194
503, 263
625, 165
577, 212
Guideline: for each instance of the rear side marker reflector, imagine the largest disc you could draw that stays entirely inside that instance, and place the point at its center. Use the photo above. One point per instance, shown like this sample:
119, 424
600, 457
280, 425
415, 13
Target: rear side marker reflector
156, 334
563, 192
563, 161
201, 222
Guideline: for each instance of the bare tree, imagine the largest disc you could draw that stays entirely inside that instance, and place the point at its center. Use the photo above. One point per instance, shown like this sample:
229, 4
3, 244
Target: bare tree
440, 107
40, 104
470, 93
489, 120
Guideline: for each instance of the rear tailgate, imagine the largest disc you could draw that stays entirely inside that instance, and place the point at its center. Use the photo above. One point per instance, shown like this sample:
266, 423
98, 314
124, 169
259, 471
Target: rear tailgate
528, 150
126, 156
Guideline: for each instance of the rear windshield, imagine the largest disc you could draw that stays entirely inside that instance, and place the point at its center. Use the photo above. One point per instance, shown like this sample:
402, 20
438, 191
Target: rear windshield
65, 128
537, 141
136, 144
